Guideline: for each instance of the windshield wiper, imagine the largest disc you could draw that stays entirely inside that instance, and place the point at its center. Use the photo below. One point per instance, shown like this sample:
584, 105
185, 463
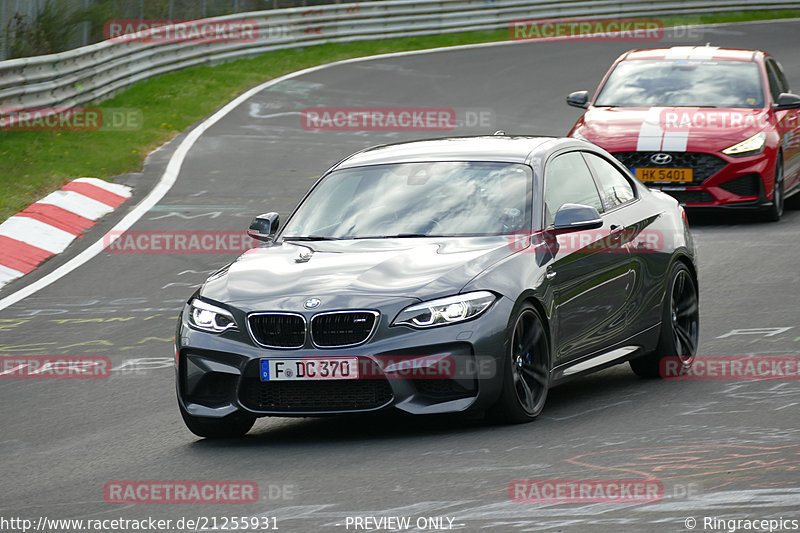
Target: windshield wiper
309, 238
637, 105
397, 236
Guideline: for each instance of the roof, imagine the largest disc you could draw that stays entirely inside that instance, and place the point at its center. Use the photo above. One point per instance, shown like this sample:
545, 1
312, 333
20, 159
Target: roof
510, 149
697, 53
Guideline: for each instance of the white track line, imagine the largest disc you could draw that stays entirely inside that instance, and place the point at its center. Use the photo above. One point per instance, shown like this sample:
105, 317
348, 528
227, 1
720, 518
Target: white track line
170, 175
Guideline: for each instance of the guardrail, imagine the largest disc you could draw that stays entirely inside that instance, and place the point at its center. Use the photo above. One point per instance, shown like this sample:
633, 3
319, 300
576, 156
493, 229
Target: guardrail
92, 73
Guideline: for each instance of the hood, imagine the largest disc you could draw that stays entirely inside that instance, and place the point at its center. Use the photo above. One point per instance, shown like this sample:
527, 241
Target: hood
413, 267
670, 129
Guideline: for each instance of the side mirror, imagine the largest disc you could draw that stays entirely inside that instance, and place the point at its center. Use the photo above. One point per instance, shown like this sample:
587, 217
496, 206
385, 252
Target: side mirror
578, 99
264, 227
788, 101
574, 217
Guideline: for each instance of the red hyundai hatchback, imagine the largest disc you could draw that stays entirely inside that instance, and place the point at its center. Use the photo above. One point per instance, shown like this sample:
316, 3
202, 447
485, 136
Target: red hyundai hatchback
712, 127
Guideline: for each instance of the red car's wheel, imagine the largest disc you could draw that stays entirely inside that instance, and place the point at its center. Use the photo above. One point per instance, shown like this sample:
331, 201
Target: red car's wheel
775, 212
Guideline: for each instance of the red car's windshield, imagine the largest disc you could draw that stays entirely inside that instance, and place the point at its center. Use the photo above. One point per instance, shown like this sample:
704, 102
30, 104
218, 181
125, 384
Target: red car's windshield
664, 83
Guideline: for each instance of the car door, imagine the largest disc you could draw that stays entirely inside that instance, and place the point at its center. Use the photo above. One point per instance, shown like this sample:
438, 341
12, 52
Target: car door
788, 124
589, 271
641, 237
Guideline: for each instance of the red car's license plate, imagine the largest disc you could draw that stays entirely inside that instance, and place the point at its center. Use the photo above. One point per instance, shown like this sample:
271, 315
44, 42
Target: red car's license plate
671, 175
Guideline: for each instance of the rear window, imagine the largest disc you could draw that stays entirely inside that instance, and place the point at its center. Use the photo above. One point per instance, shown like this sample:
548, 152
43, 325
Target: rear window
663, 83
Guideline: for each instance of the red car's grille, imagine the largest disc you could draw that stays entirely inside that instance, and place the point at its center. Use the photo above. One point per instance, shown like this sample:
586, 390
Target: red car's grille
691, 197
747, 185
703, 165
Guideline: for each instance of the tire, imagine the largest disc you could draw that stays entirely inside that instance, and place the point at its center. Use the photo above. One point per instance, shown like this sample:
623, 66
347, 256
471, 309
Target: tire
775, 211
680, 323
230, 427
526, 370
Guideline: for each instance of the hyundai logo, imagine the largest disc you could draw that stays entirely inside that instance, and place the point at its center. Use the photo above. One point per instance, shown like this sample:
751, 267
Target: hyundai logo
661, 159
312, 303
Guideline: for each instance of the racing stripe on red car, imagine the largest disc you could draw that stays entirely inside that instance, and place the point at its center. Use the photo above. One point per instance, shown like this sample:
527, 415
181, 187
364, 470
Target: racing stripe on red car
653, 138
675, 141
694, 53
650, 132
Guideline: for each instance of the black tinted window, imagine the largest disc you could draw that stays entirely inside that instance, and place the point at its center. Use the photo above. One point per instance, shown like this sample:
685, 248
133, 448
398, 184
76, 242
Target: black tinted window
568, 181
777, 84
616, 188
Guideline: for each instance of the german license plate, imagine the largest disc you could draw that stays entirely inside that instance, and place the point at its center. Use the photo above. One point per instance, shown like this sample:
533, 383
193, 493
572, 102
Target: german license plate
306, 369
669, 175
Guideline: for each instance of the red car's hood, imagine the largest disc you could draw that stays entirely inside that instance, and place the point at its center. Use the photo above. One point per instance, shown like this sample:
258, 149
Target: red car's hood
669, 129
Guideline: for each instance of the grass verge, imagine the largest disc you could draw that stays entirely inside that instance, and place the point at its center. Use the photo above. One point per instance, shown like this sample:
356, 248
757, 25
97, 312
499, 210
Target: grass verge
34, 163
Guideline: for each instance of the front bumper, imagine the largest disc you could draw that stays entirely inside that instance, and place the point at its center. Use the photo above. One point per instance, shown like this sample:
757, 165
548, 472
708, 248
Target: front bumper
735, 183
218, 374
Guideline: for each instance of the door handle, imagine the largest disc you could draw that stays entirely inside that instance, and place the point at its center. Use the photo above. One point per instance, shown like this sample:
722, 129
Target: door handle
550, 274
616, 231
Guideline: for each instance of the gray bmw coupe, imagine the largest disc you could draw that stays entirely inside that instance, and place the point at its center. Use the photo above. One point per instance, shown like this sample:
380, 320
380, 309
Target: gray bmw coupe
442, 276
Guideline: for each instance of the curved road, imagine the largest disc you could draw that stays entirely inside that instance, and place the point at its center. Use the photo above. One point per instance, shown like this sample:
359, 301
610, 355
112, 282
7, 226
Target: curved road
721, 449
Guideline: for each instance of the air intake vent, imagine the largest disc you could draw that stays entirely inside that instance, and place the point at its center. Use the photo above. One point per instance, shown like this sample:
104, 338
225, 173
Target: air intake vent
747, 185
315, 396
342, 328
691, 197
278, 330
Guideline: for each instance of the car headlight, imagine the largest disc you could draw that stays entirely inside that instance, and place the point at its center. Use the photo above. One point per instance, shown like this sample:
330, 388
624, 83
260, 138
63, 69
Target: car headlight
750, 146
445, 311
207, 317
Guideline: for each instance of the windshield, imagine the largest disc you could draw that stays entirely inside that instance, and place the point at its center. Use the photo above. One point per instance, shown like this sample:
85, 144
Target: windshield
429, 199
661, 83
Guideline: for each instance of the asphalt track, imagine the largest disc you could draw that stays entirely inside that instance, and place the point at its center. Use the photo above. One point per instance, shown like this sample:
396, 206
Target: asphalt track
725, 449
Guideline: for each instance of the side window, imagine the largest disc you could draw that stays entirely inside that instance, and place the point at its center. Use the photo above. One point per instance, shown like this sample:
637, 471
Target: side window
616, 188
781, 76
777, 83
567, 180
